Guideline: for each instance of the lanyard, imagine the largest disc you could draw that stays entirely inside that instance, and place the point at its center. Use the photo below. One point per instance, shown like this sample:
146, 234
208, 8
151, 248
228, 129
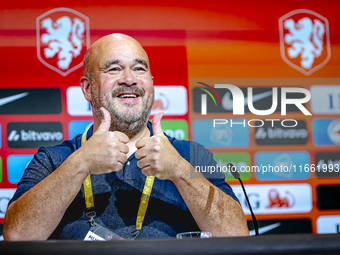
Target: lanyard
143, 204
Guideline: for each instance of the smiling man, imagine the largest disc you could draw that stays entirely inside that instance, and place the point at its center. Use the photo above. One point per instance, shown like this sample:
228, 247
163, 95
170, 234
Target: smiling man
124, 177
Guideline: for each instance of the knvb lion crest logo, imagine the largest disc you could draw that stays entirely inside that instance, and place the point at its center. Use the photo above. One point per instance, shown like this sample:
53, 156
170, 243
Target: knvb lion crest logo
62, 39
304, 40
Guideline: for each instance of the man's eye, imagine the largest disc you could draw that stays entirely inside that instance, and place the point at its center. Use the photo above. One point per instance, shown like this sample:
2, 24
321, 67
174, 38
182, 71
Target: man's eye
114, 69
140, 69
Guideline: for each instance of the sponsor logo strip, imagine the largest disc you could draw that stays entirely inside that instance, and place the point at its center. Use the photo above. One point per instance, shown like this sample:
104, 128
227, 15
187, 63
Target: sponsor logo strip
327, 164
176, 128
172, 100
16, 165
276, 198
283, 165
78, 127
329, 224
239, 160
30, 101
283, 226
33, 134
272, 133
326, 132
325, 99
327, 197
221, 135
76, 103
5, 196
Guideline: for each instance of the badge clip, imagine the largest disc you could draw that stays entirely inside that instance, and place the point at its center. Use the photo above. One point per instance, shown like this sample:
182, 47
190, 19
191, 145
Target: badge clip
135, 233
91, 216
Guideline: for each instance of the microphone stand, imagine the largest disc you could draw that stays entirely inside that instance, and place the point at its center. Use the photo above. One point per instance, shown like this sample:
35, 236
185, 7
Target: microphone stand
236, 175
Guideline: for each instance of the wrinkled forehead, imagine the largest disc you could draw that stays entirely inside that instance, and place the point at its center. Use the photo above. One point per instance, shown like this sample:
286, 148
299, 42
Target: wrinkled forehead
109, 49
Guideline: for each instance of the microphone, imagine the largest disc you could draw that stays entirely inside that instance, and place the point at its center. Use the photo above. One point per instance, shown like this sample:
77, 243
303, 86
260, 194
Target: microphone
236, 175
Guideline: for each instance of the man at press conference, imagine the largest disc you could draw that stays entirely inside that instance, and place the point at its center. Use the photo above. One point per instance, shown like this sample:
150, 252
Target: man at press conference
123, 178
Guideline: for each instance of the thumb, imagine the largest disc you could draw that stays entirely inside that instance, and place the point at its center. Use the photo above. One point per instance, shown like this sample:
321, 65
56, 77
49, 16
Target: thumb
106, 120
156, 123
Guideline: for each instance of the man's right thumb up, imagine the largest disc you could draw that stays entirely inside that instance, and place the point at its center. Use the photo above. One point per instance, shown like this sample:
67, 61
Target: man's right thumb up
106, 120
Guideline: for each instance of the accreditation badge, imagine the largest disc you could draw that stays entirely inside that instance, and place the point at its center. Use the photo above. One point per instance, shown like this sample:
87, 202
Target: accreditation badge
100, 233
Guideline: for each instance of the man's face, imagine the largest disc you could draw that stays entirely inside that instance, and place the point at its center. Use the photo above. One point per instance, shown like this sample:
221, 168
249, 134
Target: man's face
122, 83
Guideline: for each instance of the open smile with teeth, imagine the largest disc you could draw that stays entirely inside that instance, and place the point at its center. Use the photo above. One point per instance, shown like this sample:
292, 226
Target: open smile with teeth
128, 96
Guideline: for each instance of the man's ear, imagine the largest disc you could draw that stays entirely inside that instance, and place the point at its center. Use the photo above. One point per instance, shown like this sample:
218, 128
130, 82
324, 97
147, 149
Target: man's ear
85, 84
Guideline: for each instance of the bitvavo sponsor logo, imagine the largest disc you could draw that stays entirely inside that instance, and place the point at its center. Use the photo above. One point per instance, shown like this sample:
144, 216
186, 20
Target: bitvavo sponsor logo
238, 103
267, 135
326, 132
282, 165
204, 132
16, 165
276, 198
33, 134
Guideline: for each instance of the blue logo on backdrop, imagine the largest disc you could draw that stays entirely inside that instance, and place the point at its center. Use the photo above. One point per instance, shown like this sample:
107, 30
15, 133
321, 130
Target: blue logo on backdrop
16, 164
77, 127
326, 132
220, 136
282, 165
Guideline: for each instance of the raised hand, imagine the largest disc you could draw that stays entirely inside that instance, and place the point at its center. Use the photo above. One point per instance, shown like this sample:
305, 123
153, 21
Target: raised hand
156, 156
105, 151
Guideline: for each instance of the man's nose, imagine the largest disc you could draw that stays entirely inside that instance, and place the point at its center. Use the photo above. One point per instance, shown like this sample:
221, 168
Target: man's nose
127, 78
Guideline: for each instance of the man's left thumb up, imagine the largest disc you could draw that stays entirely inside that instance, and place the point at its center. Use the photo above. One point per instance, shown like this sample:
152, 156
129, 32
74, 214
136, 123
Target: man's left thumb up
156, 123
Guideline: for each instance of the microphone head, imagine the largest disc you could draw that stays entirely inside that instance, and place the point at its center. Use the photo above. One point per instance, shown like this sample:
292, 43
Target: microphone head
233, 171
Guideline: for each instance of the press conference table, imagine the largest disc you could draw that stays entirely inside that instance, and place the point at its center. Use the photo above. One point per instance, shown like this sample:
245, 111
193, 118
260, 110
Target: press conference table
265, 244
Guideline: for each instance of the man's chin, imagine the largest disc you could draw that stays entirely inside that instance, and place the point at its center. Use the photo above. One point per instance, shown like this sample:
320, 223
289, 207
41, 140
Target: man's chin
130, 125
127, 118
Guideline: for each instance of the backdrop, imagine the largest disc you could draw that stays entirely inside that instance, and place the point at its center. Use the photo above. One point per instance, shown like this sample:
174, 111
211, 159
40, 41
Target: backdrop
289, 159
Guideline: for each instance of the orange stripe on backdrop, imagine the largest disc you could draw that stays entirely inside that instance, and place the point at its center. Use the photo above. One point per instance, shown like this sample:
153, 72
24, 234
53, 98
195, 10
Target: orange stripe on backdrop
189, 15
219, 52
27, 38
136, 17
231, 58
257, 71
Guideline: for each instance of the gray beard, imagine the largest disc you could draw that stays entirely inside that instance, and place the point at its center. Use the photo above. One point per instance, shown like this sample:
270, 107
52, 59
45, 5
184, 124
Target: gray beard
129, 122
129, 125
